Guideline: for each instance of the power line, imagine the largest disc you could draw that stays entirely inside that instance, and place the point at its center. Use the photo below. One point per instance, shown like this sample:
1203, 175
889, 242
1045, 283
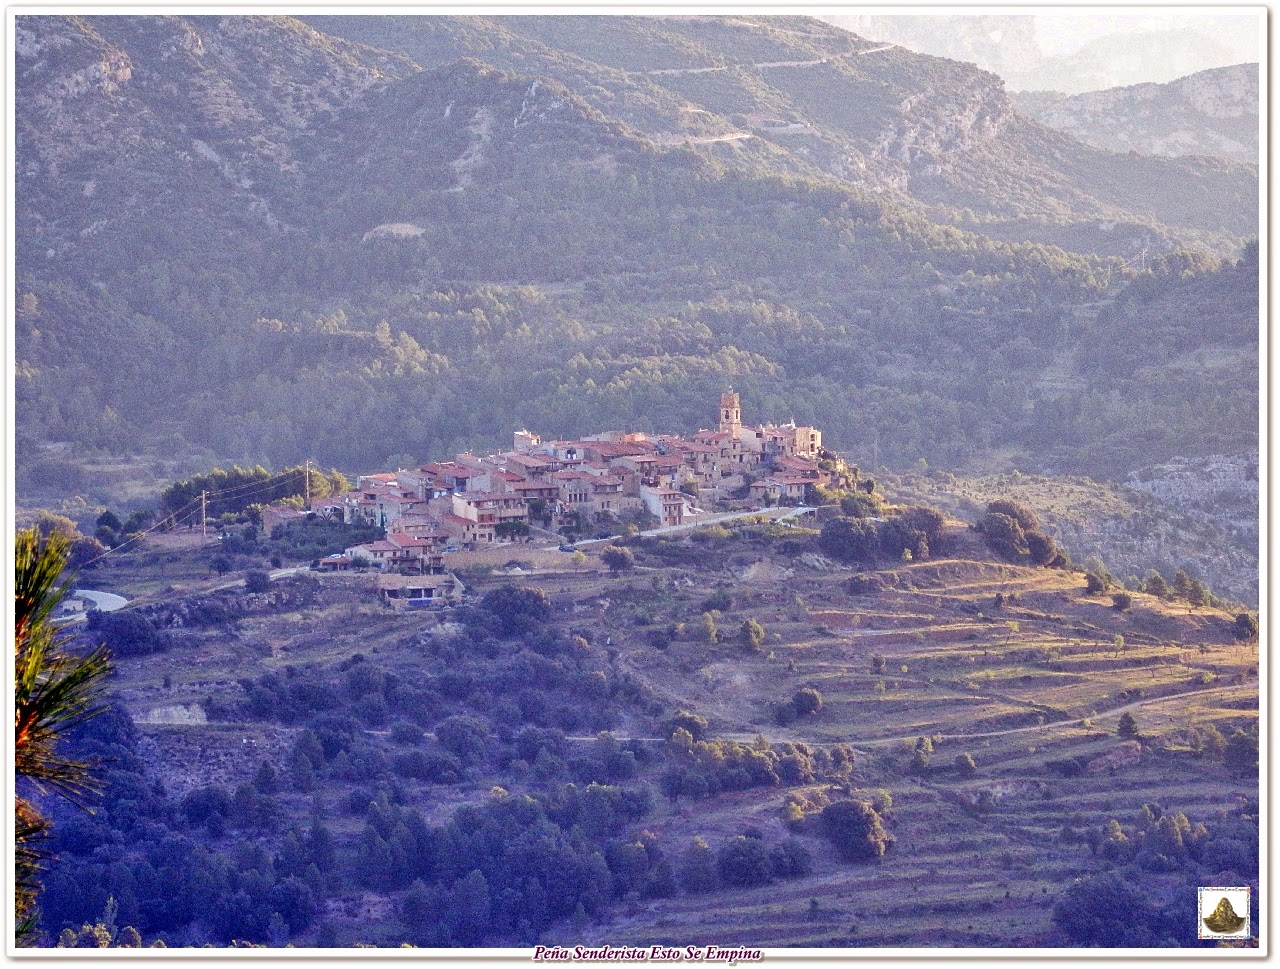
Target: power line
136, 536
260, 486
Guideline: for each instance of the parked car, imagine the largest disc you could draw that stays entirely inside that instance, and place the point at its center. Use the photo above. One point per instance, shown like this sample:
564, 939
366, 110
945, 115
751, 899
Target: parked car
566, 548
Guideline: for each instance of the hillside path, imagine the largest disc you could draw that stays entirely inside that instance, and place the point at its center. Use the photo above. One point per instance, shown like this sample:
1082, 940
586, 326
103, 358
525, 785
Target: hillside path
678, 71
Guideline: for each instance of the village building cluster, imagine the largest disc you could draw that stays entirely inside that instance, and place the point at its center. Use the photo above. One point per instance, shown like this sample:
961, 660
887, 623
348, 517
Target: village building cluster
473, 502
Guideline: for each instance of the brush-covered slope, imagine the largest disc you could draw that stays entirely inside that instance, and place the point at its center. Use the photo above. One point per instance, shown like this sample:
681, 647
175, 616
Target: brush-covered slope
942, 133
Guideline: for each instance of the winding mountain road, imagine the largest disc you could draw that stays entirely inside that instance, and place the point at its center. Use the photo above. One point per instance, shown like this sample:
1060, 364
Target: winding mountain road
678, 71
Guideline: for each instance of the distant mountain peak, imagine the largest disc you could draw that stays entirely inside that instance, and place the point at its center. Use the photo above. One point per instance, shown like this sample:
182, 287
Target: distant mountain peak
1212, 112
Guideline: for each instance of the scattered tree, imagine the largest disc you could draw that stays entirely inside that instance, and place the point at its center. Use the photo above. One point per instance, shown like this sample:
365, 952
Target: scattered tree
1095, 584
257, 581
710, 633
920, 754
1127, 726
1005, 536
850, 539
807, 700
1100, 910
1155, 585
517, 609
744, 862
1245, 627
1241, 754
618, 558
698, 868
856, 829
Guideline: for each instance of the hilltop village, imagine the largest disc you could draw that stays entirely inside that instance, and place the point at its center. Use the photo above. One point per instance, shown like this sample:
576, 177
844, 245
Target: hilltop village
573, 487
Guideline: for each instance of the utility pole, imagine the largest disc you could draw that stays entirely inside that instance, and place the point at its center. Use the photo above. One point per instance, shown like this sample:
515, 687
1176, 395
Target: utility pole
204, 515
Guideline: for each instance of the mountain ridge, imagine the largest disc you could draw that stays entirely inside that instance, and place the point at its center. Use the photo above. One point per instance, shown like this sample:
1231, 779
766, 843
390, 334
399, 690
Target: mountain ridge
915, 158
1213, 112
581, 234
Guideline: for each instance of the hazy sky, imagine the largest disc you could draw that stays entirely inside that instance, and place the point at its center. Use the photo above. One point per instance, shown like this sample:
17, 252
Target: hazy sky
1071, 49
1066, 33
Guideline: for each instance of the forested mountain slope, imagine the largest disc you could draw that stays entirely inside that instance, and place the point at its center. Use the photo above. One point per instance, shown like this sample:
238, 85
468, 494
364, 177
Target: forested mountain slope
353, 254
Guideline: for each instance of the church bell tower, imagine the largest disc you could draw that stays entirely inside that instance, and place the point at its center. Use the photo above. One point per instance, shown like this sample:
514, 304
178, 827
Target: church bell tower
730, 413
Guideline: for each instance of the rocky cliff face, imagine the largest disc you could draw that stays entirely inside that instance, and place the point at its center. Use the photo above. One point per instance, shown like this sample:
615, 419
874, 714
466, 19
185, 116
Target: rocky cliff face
124, 118
1213, 113
928, 127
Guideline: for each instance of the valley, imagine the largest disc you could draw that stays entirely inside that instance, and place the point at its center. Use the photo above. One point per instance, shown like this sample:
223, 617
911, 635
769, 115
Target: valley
1016, 677
958, 647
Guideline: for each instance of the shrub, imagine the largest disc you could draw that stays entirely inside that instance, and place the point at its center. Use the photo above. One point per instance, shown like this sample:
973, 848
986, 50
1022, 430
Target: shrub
618, 558
710, 533
1245, 627
465, 737
1121, 600
807, 700
752, 635
856, 830
256, 581
744, 862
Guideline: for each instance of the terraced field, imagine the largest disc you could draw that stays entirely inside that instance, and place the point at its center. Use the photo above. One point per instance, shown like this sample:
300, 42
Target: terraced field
1016, 667
1031, 689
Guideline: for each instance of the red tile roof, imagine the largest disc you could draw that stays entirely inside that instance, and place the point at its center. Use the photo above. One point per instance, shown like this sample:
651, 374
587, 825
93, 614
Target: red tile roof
528, 460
